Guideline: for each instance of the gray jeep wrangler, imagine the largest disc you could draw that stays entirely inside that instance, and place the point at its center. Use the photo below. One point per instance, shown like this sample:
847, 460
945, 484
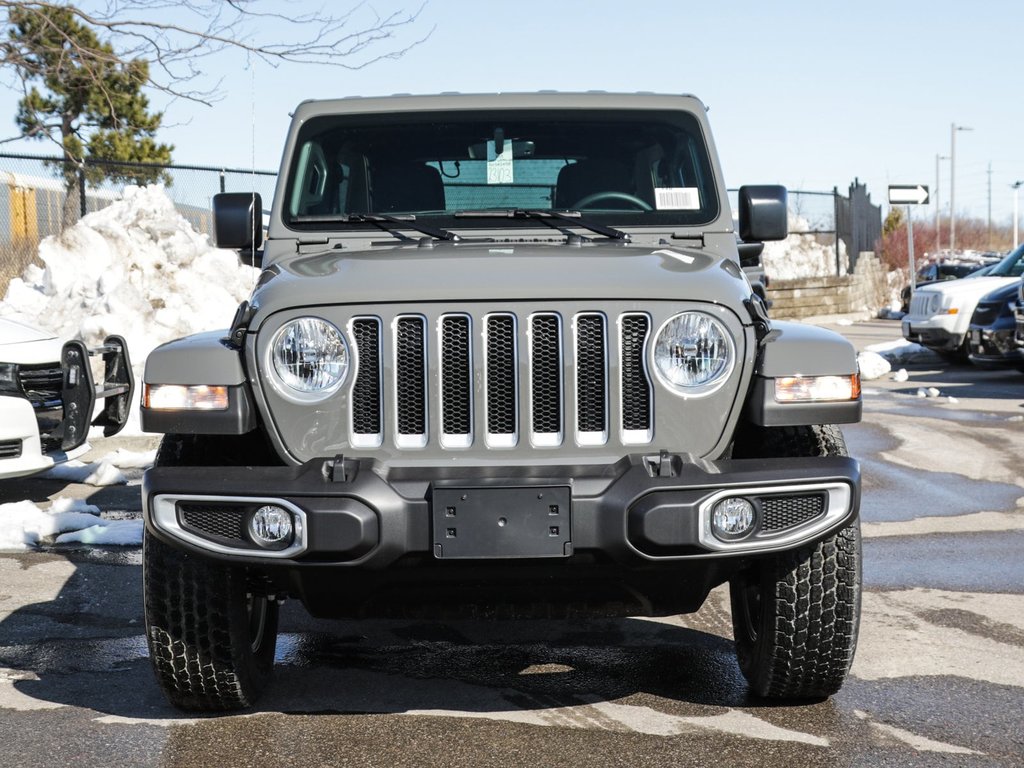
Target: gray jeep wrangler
501, 362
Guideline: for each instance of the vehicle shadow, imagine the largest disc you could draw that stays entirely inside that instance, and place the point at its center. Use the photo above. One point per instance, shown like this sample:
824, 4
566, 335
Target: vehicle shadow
85, 648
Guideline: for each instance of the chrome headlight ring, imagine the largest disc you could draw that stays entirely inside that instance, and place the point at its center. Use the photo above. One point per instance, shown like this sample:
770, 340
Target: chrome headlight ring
309, 359
693, 353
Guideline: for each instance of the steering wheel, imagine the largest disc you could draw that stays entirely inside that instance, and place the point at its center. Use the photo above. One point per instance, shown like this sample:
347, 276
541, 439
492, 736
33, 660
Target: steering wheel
643, 205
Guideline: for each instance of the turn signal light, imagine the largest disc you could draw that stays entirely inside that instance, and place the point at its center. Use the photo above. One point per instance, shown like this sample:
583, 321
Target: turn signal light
817, 389
178, 397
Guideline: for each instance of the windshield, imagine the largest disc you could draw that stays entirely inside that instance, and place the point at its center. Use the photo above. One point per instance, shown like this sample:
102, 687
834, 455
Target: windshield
618, 166
1011, 266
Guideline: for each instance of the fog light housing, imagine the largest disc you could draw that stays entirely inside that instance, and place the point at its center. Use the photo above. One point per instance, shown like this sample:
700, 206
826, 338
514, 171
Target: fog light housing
271, 527
732, 518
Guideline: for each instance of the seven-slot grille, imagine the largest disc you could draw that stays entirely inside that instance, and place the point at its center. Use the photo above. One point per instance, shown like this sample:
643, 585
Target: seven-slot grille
569, 366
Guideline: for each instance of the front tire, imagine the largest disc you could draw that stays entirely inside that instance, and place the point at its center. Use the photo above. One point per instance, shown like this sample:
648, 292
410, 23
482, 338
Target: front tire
796, 615
211, 631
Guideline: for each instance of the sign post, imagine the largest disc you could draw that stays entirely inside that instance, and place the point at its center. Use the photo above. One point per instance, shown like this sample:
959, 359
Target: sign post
908, 195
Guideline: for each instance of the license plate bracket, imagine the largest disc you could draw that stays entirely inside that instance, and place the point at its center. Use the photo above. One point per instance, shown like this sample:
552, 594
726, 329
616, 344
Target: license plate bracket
501, 522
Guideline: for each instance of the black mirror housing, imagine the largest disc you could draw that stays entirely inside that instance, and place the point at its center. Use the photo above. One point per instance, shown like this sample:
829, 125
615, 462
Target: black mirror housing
763, 213
238, 223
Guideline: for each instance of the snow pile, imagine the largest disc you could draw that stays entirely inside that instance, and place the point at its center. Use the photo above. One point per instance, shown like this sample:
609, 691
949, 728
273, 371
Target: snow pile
801, 256
136, 268
872, 365
122, 458
24, 525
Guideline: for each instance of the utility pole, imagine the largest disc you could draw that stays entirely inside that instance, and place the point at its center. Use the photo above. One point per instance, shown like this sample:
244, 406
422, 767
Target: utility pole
989, 246
1016, 215
938, 208
953, 128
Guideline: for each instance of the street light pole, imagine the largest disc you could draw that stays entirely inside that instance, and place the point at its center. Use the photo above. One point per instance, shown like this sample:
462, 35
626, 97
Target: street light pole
1016, 215
938, 208
953, 128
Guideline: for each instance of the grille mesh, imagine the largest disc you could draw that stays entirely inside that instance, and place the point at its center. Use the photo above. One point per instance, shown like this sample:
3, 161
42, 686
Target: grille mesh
636, 387
456, 376
591, 378
780, 512
10, 449
366, 411
224, 522
546, 379
501, 375
410, 376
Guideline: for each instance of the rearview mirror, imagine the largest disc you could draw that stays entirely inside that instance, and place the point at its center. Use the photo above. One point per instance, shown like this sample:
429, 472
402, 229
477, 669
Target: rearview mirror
238, 223
763, 214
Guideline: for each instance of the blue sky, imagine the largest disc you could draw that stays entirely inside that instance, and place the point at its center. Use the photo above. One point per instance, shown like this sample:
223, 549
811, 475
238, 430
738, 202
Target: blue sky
808, 94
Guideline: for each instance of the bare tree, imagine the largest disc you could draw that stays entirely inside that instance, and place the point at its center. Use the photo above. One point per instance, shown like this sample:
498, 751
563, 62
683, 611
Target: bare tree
176, 36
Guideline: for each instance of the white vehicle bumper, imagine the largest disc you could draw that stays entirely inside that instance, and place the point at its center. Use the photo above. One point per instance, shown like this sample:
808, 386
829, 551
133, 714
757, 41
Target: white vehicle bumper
937, 331
20, 449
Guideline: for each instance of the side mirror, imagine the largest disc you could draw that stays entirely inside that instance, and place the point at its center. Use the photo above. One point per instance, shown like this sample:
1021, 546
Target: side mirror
238, 224
763, 213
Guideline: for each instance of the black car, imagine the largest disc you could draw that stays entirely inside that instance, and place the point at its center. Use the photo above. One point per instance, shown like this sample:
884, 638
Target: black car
993, 327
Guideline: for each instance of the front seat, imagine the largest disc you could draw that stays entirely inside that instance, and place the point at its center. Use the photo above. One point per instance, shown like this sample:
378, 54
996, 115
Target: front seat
587, 177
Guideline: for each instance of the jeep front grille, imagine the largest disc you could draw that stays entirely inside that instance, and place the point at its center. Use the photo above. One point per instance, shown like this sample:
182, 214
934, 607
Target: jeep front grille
571, 367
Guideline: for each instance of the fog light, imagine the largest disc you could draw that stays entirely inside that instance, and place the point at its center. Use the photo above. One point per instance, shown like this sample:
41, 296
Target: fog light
732, 518
271, 527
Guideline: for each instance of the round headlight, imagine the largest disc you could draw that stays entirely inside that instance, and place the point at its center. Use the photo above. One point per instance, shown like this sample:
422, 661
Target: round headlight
693, 352
310, 357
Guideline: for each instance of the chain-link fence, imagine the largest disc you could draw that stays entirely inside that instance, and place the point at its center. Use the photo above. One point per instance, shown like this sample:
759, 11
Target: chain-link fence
830, 218
41, 196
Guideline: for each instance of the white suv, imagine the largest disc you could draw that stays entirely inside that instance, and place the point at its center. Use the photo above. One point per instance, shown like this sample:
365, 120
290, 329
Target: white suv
940, 314
48, 394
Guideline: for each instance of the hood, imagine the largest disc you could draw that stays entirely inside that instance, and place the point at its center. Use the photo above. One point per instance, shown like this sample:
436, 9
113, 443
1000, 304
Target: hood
26, 345
1006, 293
975, 287
15, 332
456, 272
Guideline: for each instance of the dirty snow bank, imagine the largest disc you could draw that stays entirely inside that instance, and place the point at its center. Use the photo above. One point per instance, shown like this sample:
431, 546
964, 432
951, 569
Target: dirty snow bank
136, 268
801, 256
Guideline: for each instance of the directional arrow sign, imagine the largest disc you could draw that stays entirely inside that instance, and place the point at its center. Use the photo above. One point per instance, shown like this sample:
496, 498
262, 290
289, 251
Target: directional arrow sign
908, 194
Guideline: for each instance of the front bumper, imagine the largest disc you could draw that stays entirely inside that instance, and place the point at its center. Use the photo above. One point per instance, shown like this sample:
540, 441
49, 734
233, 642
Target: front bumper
21, 451
359, 514
995, 348
934, 332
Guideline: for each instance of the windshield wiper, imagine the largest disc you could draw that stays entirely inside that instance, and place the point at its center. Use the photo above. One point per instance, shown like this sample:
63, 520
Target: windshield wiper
545, 215
392, 223
384, 221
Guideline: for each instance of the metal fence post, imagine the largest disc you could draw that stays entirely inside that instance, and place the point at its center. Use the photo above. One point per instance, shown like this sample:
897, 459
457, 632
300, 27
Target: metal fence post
223, 189
835, 213
82, 207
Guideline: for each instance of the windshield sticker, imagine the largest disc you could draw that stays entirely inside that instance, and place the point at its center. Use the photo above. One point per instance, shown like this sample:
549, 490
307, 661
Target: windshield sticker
499, 166
677, 199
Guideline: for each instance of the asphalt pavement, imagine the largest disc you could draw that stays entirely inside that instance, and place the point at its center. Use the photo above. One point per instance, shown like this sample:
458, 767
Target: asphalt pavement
938, 678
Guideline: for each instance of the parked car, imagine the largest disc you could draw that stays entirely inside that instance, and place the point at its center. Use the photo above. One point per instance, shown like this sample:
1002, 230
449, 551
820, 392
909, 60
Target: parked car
48, 395
992, 330
940, 314
939, 272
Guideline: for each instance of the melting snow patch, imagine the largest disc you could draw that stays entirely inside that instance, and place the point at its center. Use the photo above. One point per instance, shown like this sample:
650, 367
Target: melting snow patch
901, 375
116, 532
24, 525
125, 459
99, 474
901, 351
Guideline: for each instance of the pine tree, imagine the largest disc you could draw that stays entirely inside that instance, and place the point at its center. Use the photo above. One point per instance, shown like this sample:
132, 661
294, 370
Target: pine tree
87, 99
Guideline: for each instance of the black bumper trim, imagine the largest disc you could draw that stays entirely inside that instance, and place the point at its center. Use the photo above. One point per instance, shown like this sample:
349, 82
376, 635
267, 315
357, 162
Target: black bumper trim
605, 502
